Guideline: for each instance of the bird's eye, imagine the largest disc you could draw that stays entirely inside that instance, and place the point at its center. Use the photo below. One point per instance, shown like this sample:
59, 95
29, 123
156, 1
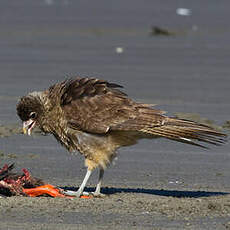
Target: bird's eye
33, 115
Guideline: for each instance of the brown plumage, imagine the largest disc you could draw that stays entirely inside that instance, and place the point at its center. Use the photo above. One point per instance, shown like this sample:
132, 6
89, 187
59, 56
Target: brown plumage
96, 118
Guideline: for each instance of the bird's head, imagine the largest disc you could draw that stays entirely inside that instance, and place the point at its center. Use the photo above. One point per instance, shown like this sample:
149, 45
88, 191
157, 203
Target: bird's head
30, 110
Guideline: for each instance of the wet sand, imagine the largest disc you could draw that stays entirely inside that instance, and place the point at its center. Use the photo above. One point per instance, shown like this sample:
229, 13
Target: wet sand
126, 210
156, 184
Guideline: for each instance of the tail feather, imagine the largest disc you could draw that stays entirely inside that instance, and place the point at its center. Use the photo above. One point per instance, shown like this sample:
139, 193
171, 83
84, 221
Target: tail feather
172, 128
187, 132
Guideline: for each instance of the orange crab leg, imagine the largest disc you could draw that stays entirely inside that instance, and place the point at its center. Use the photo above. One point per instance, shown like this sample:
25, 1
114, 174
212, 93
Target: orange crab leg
47, 189
44, 189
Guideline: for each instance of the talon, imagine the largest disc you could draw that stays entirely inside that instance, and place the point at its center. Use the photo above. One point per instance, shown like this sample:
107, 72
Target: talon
84, 195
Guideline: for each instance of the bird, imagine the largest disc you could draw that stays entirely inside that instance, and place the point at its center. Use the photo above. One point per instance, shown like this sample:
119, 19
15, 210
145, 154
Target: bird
96, 118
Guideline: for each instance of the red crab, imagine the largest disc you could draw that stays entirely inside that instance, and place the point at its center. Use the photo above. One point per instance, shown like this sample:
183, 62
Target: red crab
12, 184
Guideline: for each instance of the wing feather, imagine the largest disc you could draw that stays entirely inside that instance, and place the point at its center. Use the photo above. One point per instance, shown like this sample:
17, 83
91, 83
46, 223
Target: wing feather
96, 106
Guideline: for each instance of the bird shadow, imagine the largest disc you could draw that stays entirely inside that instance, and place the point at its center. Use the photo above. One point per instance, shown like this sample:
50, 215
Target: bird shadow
156, 192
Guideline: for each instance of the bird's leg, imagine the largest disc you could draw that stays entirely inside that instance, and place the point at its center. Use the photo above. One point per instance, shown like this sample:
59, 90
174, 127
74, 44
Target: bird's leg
98, 188
81, 189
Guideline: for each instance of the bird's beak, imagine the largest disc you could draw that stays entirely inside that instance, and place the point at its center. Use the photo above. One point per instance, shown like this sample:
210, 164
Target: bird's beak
28, 126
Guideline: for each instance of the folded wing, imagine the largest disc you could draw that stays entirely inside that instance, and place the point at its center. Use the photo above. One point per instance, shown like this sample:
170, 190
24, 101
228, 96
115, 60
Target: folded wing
97, 106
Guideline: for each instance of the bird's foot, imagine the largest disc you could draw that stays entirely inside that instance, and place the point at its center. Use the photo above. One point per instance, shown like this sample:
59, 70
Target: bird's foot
84, 194
76, 193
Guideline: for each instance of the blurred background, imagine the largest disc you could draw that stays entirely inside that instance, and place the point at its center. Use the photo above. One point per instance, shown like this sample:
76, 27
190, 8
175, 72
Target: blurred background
172, 53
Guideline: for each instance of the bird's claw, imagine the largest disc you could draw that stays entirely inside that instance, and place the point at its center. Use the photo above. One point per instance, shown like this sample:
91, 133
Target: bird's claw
76, 194
84, 194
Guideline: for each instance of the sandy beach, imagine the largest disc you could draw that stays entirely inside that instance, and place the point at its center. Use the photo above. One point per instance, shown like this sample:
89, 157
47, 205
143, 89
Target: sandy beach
156, 184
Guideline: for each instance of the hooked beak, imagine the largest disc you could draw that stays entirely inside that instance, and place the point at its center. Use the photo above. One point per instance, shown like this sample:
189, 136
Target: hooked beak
28, 126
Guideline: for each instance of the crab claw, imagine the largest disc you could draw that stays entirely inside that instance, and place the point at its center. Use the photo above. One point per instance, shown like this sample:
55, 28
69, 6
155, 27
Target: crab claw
47, 189
44, 189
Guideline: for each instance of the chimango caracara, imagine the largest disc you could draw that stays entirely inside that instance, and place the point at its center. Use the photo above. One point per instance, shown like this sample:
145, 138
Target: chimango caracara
94, 117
